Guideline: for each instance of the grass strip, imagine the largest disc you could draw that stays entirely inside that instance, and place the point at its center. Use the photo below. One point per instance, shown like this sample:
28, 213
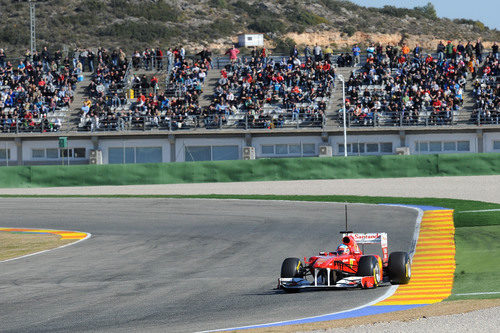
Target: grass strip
14, 245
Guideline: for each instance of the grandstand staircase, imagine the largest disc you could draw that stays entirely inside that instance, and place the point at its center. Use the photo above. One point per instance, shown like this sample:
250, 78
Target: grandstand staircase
464, 114
71, 121
213, 76
336, 99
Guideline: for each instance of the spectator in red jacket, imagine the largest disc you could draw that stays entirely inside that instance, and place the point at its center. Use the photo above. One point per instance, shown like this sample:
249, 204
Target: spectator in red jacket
233, 54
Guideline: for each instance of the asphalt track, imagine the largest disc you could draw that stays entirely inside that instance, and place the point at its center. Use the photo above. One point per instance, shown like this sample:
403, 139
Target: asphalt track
177, 265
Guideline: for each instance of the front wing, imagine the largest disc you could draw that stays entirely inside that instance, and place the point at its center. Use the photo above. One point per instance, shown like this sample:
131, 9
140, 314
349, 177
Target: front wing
348, 282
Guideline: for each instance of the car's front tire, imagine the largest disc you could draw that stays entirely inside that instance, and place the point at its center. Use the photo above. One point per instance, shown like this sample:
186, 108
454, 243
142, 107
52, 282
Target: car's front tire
369, 266
291, 268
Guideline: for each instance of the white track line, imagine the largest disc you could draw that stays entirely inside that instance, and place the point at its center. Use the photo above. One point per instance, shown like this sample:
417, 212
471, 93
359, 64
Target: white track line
483, 293
480, 211
59, 247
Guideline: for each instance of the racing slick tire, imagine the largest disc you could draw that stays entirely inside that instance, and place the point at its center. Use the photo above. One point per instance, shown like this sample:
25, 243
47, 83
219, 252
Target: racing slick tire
369, 266
399, 268
291, 268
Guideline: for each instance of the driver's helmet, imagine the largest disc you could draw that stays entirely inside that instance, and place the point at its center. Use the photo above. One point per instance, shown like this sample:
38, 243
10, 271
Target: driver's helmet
342, 249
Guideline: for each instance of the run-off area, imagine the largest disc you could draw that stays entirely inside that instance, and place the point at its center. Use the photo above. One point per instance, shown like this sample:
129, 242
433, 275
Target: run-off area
185, 265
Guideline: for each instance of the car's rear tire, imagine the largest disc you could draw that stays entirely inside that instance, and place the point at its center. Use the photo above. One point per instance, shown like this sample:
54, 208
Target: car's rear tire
369, 266
291, 268
399, 268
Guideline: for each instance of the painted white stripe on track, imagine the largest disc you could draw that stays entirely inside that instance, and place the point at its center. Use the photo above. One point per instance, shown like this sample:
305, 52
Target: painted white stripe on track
483, 293
479, 211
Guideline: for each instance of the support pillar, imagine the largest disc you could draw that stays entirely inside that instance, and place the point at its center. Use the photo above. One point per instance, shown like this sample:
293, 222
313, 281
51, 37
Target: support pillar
19, 146
480, 141
171, 139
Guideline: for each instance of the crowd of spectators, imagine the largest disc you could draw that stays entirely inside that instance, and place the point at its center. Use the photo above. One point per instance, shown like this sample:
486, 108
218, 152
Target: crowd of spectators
407, 87
269, 93
33, 89
103, 108
173, 107
486, 90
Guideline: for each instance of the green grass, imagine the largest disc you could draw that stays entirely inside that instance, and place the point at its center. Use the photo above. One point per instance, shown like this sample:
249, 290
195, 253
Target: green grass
478, 261
476, 236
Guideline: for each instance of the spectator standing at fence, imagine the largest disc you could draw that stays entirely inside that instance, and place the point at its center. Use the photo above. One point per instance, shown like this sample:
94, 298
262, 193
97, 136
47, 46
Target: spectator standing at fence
3, 58
307, 52
182, 53
90, 60
494, 50
449, 50
329, 53
440, 51
233, 54
159, 59
45, 59
170, 58
469, 49
355, 54
318, 53
479, 50
294, 52
417, 51
370, 51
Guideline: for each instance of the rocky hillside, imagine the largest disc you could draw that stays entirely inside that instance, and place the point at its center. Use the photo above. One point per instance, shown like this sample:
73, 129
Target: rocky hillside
132, 24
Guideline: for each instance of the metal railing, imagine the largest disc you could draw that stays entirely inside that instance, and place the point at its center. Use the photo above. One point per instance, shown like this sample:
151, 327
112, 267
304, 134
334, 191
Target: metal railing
19, 126
216, 121
401, 119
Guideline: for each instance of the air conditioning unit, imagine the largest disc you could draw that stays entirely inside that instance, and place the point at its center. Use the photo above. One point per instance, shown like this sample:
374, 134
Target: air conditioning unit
403, 151
95, 156
248, 153
325, 151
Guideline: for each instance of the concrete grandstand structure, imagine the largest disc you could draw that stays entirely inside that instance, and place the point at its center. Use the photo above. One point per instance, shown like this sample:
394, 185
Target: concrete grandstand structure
161, 109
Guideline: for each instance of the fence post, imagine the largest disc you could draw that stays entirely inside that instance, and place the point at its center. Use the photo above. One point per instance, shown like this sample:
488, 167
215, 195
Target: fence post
246, 118
478, 118
170, 124
401, 120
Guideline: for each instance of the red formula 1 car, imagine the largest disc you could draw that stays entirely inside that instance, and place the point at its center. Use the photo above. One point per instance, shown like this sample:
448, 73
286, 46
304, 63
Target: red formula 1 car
347, 267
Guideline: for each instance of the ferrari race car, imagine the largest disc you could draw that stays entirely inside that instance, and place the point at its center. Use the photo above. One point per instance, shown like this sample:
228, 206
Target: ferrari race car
347, 267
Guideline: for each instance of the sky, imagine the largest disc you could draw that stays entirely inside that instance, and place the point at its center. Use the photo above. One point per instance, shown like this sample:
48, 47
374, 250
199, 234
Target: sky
486, 11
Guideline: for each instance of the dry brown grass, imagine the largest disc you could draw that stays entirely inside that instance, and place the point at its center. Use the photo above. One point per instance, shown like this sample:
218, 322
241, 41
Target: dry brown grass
434, 310
16, 245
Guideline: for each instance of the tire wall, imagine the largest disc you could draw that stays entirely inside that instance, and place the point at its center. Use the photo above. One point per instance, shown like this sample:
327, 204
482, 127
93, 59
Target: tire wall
257, 170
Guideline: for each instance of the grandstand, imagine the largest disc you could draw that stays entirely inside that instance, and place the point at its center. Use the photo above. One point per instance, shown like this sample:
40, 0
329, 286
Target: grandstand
152, 94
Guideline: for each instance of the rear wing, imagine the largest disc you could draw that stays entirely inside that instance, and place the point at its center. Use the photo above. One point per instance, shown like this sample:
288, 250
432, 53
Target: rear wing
372, 238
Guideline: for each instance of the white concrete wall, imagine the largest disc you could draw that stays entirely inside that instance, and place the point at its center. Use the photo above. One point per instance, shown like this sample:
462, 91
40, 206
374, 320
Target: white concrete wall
257, 143
182, 143
105, 144
29, 145
489, 138
337, 140
9, 144
412, 139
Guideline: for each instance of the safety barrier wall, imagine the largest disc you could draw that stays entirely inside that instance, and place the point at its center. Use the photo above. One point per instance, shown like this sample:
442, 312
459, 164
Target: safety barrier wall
256, 170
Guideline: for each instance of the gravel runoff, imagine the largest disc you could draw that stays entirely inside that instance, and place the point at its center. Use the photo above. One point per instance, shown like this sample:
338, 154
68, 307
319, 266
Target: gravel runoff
484, 188
485, 320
